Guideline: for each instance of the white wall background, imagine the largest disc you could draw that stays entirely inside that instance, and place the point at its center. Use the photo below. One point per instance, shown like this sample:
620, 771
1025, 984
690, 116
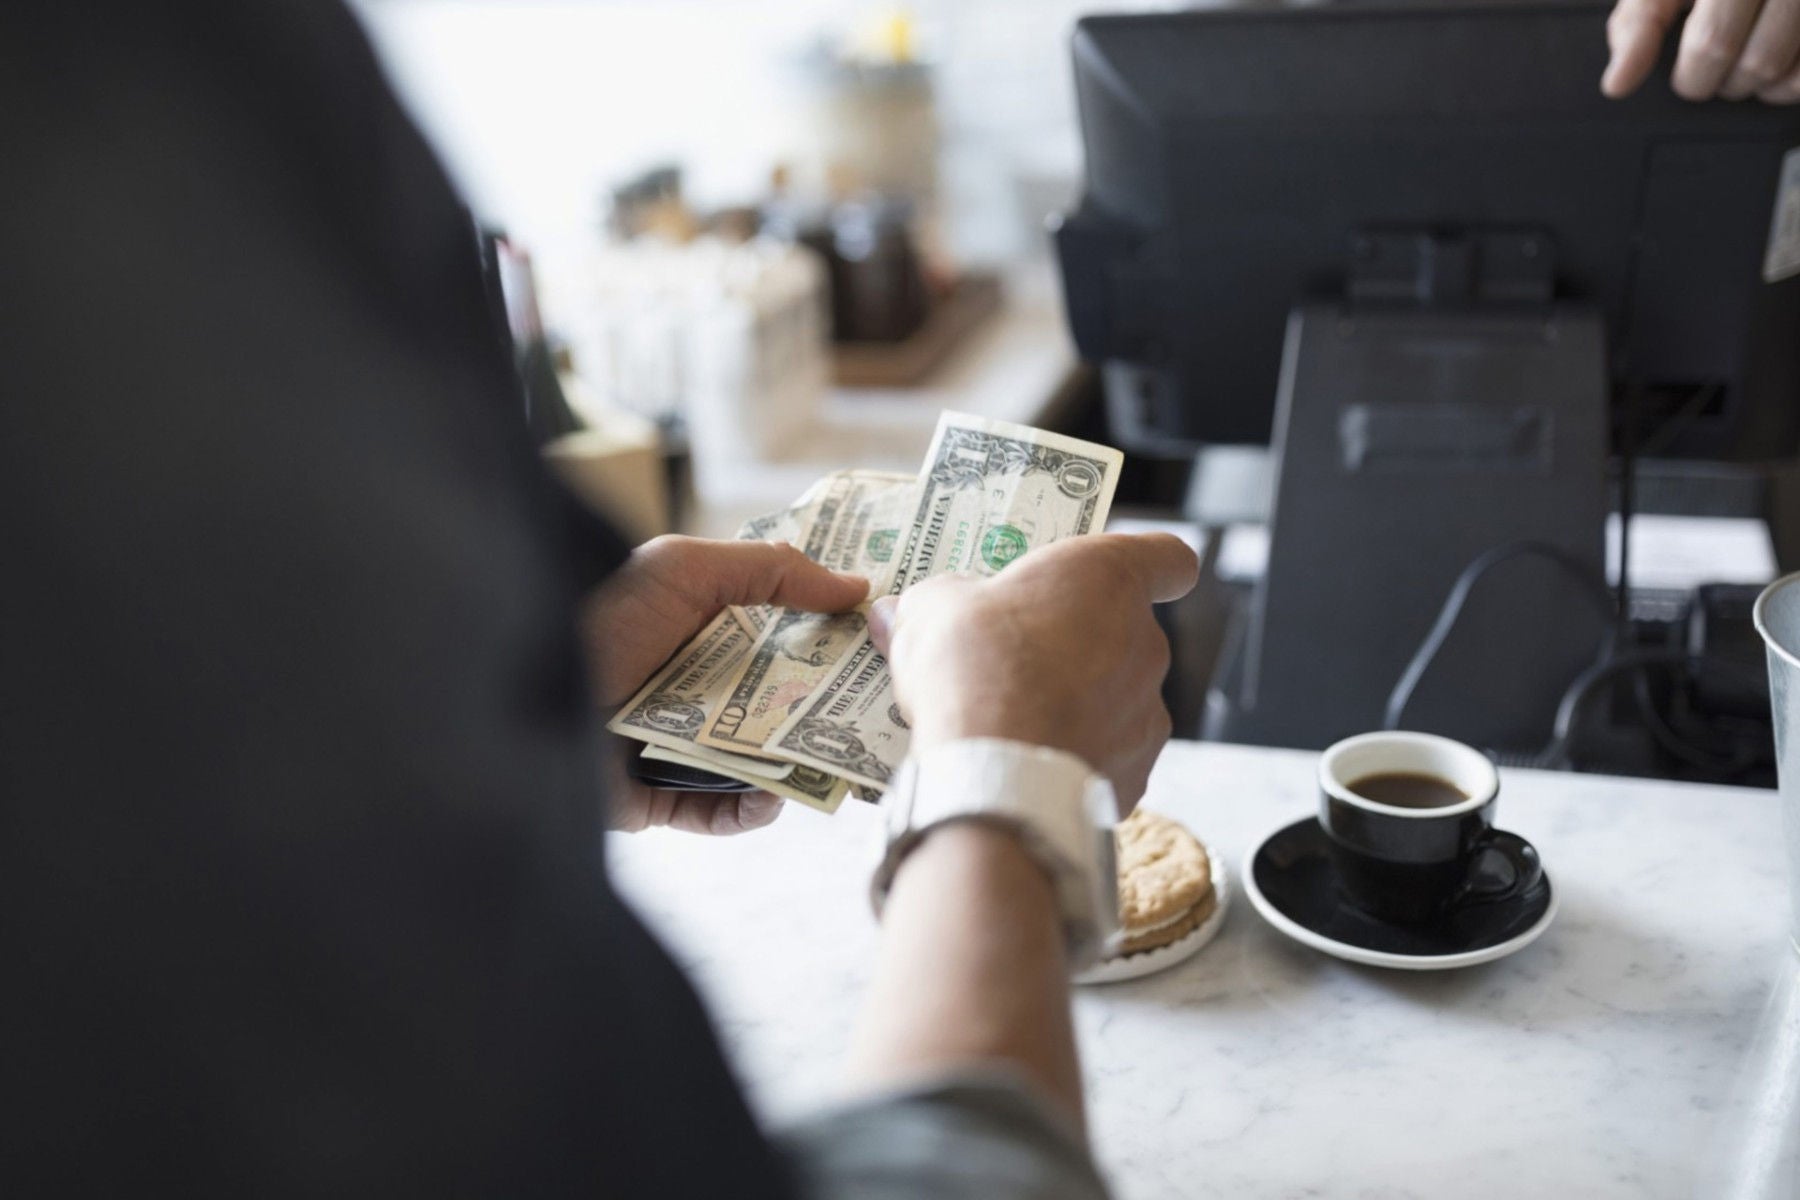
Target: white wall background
540, 105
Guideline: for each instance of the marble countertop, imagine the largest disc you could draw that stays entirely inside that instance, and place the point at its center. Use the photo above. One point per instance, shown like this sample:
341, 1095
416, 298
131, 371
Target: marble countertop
1647, 1046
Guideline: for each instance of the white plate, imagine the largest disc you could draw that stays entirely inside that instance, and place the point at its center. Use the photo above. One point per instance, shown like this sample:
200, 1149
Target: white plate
1148, 962
1384, 958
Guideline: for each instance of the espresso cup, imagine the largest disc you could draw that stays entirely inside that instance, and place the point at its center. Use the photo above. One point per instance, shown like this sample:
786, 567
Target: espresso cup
1417, 865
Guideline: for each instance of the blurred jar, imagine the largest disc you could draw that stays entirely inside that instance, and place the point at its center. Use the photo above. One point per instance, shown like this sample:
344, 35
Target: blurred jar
878, 289
729, 340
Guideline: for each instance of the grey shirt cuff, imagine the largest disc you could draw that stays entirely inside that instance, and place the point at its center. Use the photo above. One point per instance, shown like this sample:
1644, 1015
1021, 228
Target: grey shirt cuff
976, 1135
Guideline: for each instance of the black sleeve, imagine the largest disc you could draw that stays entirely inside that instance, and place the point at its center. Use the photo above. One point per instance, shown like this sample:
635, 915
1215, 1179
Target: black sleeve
301, 876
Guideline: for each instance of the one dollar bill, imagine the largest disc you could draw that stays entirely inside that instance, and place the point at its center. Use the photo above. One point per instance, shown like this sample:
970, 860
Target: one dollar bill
854, 526
848, 520
672, 708
990, 492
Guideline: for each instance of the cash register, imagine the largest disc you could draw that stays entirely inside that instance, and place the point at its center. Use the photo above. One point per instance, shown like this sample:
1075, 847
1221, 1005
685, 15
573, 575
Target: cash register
1471, 308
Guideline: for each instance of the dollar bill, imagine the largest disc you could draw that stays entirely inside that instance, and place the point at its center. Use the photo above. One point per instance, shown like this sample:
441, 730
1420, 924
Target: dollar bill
790, 660
672, 708
858, 522
854, 526
805, 784
877, 502
756, 618
784, 526
848, 520
989, 493
736, 766
852, 727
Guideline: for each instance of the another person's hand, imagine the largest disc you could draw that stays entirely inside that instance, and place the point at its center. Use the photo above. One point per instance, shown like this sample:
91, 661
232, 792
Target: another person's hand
1061, 650
1730, 48
663, 595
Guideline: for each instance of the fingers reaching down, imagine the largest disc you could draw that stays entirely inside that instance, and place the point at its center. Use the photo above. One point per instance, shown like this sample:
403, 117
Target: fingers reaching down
1732, 49
1771, 53
1712, 42
1635, 32
1783, 91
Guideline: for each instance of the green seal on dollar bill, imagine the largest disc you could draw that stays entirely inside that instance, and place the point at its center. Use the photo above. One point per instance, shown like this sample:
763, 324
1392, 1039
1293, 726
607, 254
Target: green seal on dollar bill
881, 544
1000, 545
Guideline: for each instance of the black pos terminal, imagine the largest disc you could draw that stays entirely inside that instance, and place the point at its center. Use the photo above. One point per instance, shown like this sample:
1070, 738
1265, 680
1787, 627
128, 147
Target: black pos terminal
1460, 295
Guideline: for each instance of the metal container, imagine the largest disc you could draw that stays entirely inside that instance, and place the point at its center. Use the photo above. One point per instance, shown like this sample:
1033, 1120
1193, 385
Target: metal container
1778, 620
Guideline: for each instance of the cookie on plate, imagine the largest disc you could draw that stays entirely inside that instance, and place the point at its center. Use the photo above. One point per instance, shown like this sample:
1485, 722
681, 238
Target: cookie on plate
1173, 894
1164, 873
1141, 940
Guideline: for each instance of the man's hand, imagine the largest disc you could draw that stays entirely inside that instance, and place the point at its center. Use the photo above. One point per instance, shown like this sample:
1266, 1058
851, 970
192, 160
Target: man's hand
1730, 48
1061, 650
663, 595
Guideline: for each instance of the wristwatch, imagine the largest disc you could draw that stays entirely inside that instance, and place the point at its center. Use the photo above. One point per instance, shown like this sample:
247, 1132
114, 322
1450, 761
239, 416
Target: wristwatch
1061, 811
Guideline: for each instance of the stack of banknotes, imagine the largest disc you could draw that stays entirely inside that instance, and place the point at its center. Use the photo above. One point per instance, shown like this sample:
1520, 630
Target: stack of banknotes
801, 704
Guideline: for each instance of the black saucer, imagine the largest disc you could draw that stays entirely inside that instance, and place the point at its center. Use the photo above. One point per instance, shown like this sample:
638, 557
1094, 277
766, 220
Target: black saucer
1289, 879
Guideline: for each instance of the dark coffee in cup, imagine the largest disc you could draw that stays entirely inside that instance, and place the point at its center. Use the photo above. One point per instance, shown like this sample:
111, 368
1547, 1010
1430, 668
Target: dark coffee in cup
1409, 818
1405, 789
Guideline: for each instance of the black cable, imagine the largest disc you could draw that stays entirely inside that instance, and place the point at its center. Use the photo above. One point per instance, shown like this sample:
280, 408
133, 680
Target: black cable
1627, 494
1660, 438
1555, 754
1593, 587
1677, 746
1615, 608
1631, 451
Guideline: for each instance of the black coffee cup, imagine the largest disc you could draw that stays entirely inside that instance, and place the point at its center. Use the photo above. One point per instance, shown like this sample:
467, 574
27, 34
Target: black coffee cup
1434, 849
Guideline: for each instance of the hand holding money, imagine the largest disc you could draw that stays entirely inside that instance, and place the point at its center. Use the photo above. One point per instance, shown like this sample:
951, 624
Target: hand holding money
1062, 650
669, 589
802, 703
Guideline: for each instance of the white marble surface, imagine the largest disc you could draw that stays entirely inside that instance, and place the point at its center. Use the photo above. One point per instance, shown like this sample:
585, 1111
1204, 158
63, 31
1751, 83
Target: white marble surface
1635, 1051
